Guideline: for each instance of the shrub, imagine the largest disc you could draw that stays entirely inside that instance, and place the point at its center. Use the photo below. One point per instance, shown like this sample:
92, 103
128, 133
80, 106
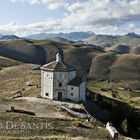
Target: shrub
124, 126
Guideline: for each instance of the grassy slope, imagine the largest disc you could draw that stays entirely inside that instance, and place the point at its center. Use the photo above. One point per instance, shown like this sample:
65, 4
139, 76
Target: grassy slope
135, 50
120, 49
19, 80
85, 58
102, 40
23, 79
22, 50
58, 128
129, 96
115, 67
100, 65
126, 67
6, 62
43, 51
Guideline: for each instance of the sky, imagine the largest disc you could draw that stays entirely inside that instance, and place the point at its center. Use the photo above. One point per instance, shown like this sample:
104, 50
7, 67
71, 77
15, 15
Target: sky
25, 17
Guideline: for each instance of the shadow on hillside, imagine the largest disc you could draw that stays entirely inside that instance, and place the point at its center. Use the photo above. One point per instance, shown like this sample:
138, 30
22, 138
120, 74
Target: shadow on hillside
120, 114
37, 56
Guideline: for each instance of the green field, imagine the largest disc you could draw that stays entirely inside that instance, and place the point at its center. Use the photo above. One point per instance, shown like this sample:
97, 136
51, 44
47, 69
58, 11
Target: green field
116, 91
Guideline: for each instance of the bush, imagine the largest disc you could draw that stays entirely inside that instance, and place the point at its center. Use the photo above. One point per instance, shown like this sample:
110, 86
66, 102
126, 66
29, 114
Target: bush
124, 126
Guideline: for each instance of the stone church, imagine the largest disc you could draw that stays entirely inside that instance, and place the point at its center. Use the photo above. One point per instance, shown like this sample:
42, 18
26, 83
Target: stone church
59, 82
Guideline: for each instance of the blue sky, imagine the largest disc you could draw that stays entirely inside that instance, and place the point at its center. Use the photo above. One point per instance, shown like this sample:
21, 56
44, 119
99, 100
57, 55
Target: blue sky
26, 13
24, 17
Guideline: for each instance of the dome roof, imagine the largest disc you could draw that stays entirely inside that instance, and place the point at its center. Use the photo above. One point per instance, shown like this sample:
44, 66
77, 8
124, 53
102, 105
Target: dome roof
57, 65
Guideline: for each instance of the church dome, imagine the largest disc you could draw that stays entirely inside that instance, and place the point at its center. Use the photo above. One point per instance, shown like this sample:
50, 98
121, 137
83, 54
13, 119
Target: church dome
58, 65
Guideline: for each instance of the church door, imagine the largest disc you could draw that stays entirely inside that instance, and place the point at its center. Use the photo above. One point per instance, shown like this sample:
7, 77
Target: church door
59, 96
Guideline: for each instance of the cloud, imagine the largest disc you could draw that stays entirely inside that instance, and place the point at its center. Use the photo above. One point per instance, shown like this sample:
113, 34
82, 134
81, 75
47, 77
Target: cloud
104, 12
51, 4
132, 28
104, 16
29, 1
55, 4
50, 25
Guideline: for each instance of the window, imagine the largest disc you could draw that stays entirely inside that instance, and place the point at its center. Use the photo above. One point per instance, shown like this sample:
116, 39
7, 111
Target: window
60, 84
47, 94
71, 88
71, 94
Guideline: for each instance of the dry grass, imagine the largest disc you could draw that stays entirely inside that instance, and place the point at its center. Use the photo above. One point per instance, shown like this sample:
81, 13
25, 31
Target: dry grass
115, 87
71, 128
19, 80
115, 67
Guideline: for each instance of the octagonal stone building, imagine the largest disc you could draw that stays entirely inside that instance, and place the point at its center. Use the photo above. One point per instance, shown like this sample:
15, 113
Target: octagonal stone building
59, 82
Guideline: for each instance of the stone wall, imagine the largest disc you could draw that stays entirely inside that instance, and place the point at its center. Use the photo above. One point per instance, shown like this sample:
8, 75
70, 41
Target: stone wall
83, 92
47, 84
60, 84
73, 93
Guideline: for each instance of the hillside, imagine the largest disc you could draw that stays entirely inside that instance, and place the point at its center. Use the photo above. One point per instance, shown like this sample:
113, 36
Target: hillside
133, 35
60, 39
24, 81
117, 63
22, 50
42, 51
6, 62
10, 37
119, 49
19, 87
109, 40
111, 71
116, 67
135, 50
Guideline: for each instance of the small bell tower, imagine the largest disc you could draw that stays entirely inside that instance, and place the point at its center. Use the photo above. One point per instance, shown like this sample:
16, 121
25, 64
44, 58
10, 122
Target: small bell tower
59, 57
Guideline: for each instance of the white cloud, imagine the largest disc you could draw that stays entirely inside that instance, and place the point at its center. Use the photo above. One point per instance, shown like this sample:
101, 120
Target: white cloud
132, 28
104, 16
29, 1
52, 25
55, 4
104, 12
51, 4
49, 25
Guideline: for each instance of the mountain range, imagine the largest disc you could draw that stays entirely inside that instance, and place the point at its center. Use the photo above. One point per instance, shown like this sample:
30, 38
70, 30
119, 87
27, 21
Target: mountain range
9, 37
74, 36
98, 56
89, 37
113, 61
109, 63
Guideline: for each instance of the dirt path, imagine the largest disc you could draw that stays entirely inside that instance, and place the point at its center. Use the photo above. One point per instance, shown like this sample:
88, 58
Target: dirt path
41, 107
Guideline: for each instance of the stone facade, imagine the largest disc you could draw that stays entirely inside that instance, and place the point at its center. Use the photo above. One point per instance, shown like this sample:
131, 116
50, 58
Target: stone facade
58, 82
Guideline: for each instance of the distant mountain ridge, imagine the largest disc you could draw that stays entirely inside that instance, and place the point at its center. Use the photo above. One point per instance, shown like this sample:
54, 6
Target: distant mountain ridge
1, 35
133, 35
9, 37
74, 36
131, 39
